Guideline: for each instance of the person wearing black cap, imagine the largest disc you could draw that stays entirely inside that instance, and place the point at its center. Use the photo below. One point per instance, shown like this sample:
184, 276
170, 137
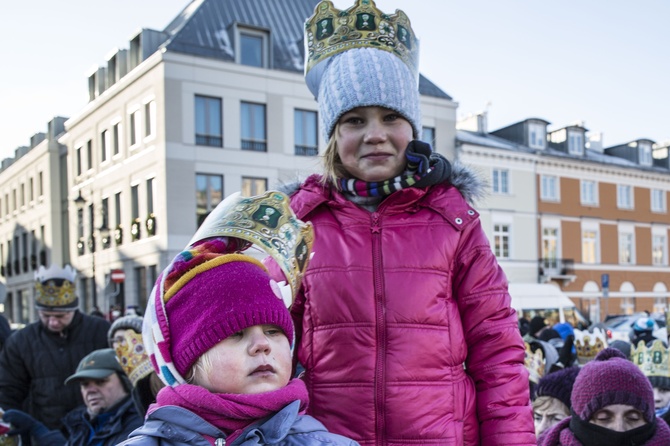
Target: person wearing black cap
552, 401
107, 416
38, 358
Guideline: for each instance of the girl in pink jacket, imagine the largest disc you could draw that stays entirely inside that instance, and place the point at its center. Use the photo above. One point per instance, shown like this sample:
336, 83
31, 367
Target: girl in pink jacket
403, 321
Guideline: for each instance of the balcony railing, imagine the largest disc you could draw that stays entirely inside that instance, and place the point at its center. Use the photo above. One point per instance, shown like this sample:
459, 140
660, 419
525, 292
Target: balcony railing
556, 269
306, 150
255, 146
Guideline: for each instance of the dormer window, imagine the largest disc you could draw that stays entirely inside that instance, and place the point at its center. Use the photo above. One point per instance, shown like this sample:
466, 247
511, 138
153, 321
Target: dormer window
645, 154
537, 136
253, 48
576, 143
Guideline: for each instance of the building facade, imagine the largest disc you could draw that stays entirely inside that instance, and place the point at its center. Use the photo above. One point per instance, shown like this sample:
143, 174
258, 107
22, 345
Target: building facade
214, 104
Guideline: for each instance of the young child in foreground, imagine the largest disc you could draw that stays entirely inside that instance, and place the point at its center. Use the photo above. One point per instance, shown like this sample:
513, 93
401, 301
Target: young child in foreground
220, 337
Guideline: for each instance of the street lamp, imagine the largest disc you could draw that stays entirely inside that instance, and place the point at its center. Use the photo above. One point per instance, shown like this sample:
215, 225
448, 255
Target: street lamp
103, 230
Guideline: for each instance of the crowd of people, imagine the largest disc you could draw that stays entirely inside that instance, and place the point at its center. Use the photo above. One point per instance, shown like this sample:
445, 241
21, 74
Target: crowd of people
378, 316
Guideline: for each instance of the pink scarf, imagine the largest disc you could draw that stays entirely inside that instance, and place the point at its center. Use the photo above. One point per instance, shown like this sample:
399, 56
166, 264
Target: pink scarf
231, 412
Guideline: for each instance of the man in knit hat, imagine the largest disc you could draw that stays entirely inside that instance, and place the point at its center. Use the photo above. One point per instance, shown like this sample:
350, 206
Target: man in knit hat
612, 404
37, 359
552, 401
125, 337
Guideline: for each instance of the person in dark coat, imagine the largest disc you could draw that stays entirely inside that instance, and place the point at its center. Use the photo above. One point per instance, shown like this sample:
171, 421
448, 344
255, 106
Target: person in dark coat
107, 417
5, 331
37, 359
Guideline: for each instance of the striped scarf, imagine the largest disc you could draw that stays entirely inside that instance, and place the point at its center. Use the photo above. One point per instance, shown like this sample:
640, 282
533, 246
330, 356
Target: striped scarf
424, 168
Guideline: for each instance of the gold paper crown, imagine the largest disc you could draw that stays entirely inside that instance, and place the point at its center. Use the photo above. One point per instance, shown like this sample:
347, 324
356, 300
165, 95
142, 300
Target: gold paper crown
133, 357
54, 287
330, 31
653, 361
535, 363
267, 222
588, 344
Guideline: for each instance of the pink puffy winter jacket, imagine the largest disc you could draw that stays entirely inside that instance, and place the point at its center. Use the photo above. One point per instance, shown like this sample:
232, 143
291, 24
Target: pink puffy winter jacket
404, 324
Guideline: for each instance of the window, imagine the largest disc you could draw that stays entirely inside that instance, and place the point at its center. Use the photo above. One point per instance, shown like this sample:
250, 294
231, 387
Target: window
251, 50
305, 133
253, 186
537, 136
40, 184
501, 241
208, 121
104, 146
31, 189
117, 208
150, 196
576, 144
89, 154
134, 202
658, 203
208, 193
500, 181
549, 188
150, 118
14, 201
428, 135
253, 127
626, 248
645, 154
115, 139
550, 247
134, 127
659, 250
589, 193
590, 246
105, 213
80, 223
624, 196
77, 161
22, 194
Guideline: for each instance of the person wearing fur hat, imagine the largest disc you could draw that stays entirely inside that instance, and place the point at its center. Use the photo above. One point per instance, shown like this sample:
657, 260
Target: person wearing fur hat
552, 398
125, 337
37, 359
404, 323
107, 416
612, 404
219, 335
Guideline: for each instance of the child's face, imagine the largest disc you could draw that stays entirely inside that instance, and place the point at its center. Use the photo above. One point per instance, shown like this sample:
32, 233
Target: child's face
371, 142
254, 360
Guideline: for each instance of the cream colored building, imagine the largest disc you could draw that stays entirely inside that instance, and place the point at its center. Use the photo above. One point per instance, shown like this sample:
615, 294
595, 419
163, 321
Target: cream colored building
214, 104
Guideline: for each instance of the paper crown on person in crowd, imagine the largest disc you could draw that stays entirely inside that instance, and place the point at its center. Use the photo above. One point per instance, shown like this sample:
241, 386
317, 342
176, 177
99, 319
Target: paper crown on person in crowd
589, 344
654, 361
133, 357
267, 222
55, 288
331, 31
535, 363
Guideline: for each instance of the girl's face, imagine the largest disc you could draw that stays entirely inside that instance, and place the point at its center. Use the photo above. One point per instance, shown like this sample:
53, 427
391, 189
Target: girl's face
371, 143
618, 417
254, 360
661, 397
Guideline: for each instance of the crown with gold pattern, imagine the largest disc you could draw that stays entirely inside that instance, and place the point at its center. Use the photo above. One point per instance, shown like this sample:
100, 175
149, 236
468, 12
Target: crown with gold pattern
133, 357
589, 344
267, 222
653, 361
535, 363
331, 31
55, 289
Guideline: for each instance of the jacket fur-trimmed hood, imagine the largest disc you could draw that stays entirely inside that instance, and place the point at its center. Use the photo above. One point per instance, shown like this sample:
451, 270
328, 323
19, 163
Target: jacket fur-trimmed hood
464, 178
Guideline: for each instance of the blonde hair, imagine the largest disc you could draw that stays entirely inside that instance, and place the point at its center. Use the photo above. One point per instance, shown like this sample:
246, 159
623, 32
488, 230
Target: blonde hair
200, 369
549, 402
333, 169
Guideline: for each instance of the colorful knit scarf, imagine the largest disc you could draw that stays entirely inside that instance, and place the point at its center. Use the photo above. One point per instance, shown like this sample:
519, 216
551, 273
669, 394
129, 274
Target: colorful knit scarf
424, 168
231, 412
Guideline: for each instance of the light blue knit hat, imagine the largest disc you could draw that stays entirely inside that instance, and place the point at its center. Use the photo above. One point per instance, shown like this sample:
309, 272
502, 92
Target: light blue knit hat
363, 77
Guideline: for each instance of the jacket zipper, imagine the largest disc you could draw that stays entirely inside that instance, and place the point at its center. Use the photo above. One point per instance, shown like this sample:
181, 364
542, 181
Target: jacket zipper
380, 304
220, 442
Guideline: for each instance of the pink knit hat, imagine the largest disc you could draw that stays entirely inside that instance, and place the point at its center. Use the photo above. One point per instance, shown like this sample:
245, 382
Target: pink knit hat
207, 294
611, 379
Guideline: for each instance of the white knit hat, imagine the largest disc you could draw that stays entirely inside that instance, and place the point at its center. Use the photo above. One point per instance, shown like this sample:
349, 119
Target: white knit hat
363, 77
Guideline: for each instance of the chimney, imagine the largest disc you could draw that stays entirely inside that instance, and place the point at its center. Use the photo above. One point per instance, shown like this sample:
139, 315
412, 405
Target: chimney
595, 141
474, 122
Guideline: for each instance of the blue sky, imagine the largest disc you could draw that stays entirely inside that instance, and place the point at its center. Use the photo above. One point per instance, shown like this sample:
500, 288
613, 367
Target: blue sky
603, 62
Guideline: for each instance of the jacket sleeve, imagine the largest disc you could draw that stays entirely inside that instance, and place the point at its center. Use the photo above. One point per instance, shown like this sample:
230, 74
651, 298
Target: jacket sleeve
495, 358
14, 376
